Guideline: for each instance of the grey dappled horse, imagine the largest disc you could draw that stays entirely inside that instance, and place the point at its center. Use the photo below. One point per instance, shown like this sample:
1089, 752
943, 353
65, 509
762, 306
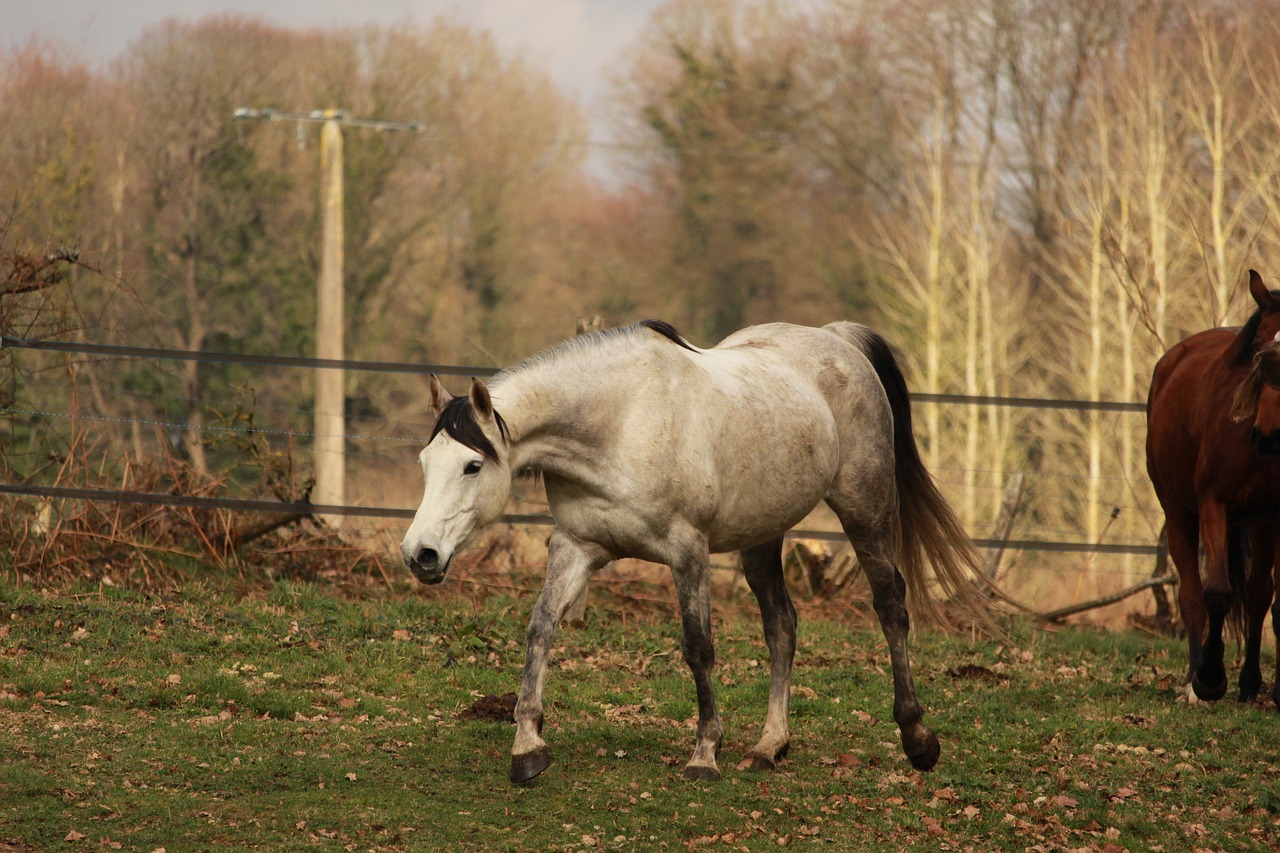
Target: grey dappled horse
652, 448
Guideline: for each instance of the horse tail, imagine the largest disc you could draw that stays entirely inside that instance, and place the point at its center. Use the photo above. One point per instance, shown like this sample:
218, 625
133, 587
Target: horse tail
928, 529
1239, 560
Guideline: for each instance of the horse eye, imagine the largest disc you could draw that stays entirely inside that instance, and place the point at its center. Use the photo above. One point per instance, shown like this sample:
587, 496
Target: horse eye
472, 468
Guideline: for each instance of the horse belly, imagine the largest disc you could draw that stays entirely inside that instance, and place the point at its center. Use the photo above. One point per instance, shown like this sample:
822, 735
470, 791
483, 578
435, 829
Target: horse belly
763, 494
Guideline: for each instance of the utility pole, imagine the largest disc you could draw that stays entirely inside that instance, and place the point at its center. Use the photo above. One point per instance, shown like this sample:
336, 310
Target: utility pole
328, 445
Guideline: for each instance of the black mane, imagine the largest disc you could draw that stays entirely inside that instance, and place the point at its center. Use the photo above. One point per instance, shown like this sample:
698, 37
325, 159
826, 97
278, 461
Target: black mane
1248, 332
667, 330
458, 419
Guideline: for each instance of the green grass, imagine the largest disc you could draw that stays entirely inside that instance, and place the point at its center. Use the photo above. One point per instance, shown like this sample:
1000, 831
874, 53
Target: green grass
297, 719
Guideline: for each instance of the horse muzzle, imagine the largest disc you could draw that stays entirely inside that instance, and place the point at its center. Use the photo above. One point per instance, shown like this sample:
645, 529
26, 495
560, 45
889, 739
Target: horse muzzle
1266, 443
425, 564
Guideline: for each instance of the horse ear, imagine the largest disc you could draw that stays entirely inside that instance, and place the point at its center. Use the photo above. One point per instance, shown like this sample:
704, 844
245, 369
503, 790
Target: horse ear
1259, 291
437, 395
480, 399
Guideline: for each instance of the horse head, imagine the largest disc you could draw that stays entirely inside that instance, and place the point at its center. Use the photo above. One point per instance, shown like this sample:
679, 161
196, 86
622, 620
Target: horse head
1258, 396
467, 480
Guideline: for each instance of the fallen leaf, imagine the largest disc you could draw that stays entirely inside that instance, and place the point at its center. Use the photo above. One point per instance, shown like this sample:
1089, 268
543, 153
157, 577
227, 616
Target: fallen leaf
74, 836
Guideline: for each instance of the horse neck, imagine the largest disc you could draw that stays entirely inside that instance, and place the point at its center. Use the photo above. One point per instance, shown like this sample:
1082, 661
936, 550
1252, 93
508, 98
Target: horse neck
557, 425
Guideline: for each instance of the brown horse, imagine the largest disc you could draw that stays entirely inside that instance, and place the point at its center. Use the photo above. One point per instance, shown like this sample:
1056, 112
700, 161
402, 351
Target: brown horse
1213, 453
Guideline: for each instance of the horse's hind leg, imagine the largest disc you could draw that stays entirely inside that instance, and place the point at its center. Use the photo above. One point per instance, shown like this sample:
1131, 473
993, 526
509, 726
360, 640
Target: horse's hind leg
1262, 544
1182, 531
1275, 627
762, 566
1209, 681
888, 592
569, 566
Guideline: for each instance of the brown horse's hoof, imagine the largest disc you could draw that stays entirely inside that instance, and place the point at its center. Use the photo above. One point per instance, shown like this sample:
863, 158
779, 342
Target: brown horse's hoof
1208, 692
696, 772
922, 750
525, 767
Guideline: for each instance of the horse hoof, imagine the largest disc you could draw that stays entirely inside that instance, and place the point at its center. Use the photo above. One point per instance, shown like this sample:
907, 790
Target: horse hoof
756, 761
528, 765
1250, 687
922, 750
1209, 692
696, 772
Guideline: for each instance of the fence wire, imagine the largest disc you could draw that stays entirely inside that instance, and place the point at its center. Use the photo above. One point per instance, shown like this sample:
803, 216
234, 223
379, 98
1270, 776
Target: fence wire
247, 505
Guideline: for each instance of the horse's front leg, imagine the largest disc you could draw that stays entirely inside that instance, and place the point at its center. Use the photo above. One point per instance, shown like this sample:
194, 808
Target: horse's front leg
762, 567
693, 588
570, 564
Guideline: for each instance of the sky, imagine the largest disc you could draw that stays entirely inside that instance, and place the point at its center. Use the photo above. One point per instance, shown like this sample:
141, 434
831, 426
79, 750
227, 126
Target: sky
576, 41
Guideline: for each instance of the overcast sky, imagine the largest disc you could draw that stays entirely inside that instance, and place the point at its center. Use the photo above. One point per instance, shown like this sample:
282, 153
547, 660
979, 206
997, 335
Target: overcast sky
576, 41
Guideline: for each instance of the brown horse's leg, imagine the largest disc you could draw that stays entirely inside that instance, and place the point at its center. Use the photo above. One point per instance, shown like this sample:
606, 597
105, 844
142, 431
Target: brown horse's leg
889, 597
1183, 531
1275, 627
1209, 681
762, 566
1262, 546
693, 589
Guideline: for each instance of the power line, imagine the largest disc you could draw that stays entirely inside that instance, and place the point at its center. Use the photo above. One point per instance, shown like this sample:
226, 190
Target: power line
85, 348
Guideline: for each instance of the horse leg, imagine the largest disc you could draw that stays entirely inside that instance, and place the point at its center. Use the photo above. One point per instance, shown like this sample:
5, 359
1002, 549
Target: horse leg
1262, 546
1183, 532
889, 597
570, 564
1275, 627
1209, 681
693, 589
762, 566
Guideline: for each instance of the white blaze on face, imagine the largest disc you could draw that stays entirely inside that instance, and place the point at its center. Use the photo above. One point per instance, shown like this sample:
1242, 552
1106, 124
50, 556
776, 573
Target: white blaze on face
463, 493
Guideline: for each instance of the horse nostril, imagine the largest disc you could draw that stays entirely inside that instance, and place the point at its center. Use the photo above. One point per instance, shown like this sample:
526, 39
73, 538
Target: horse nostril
428, 558
1267, 444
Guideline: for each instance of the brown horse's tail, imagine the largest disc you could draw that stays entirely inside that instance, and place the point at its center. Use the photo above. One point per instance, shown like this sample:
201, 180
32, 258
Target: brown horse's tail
1239, 559
929, 532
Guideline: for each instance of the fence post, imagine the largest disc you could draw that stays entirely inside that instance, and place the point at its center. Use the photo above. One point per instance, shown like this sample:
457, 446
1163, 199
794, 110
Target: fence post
328, 445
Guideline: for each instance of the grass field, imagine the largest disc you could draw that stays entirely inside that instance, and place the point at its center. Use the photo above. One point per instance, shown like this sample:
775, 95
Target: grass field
292, 717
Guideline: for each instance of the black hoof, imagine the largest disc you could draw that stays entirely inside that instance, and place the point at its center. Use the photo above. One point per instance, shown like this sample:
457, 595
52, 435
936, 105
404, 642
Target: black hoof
525, 767
1211, 692
922, 750
1250, 686
699, 772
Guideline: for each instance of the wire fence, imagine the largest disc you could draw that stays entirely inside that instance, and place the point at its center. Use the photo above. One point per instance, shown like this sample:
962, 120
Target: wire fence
110, 351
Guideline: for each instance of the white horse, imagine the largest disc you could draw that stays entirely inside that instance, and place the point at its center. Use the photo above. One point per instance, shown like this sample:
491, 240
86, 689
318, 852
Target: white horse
653, 448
